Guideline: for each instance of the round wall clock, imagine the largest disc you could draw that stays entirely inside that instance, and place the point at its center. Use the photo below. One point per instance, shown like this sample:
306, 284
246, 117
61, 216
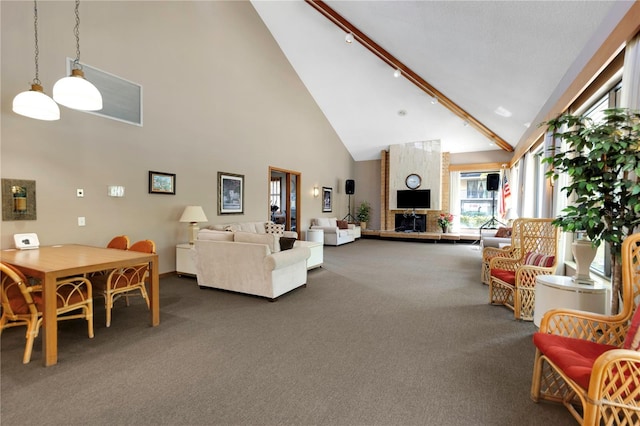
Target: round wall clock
413, 181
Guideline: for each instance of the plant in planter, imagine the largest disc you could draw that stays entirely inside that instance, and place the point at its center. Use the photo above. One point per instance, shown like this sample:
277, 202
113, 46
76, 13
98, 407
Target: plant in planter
602, 161
364, 212
445, 220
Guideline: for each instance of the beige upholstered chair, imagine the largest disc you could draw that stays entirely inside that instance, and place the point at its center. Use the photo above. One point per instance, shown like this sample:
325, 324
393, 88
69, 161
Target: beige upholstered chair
511, 252
512, 282
581, 360
22, 304
122, 282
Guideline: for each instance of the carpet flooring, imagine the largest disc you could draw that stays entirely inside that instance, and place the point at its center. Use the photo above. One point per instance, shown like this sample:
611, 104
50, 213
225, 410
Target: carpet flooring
385, 333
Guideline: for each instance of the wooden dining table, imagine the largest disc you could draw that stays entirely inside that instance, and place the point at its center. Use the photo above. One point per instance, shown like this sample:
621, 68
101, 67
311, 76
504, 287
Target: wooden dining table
53, 262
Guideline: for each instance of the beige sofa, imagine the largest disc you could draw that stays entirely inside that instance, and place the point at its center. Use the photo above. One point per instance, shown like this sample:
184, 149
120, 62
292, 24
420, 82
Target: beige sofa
257, 227
333, 234
249, 262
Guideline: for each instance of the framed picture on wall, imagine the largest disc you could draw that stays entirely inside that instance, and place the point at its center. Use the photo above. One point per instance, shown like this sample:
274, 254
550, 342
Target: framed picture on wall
326, 199
162, 183
230, 193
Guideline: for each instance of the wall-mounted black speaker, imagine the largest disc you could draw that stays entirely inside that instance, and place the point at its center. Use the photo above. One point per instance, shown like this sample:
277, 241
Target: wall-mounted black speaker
350, 186
493, 181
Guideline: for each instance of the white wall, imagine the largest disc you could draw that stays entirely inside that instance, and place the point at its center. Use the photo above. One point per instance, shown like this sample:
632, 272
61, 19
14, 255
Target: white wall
219, 95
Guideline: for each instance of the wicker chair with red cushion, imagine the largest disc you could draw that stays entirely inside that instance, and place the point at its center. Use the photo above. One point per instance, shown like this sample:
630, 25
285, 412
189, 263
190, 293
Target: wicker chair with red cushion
122, 282
590, 362
512, 251
512, 281
22, 304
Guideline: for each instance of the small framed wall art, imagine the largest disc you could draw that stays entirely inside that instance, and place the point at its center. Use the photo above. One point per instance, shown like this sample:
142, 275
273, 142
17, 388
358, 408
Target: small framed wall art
18, 199
162, 183
326, 199
230, 193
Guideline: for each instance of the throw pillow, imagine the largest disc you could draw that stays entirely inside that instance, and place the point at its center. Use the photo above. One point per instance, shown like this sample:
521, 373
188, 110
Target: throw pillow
539, 259
503, 232
286, 243
343, 224
273, 228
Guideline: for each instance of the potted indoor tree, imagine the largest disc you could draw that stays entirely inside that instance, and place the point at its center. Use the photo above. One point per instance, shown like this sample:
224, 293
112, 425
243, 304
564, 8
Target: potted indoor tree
602, 161
364, 212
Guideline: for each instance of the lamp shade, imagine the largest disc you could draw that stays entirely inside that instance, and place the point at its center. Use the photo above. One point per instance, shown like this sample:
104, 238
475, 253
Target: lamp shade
35, 104
193, 214
77, 93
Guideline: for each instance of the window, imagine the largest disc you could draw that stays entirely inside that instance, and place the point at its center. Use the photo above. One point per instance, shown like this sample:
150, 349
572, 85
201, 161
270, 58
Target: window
477, 205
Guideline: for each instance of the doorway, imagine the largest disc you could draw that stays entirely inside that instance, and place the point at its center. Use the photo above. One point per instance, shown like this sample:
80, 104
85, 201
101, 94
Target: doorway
284, 203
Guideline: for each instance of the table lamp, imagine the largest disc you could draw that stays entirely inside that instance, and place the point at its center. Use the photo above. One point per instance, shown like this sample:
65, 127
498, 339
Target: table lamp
193, 215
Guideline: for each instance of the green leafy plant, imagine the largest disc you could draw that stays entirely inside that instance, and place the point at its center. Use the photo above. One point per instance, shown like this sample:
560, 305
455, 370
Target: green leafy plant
364, 211
602, 160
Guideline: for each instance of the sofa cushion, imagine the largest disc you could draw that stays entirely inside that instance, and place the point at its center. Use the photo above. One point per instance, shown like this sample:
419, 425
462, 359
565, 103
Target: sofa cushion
539, 259
343, 224
322, 221
270, 240
273, 228
214, 235
257, 227
333, 222
503, 232
573, 356
286, 243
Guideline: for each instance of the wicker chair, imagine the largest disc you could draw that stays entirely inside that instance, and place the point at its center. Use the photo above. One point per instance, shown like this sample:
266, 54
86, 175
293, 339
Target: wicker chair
22, 304
122, 282
512, 282
610, 390
510, 252
121, 242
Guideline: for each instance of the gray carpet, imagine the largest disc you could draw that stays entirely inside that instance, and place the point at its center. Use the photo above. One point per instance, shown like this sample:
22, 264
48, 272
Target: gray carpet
386, 333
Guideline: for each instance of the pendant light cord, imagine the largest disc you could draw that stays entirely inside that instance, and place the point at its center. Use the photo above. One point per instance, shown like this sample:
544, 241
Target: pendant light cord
76, 32
37, 51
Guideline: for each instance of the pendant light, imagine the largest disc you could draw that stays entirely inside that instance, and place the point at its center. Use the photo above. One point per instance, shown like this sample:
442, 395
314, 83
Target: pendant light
74, 91
34, 103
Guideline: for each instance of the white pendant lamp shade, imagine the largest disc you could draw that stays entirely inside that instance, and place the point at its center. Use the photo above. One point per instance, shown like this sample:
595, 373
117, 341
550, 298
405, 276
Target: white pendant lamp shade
77, 93
35, 104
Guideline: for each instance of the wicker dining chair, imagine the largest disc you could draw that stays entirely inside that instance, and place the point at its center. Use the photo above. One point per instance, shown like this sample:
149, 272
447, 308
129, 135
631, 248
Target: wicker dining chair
590, 362
120, 242
22, 304
123, 282
512, 282
511, 252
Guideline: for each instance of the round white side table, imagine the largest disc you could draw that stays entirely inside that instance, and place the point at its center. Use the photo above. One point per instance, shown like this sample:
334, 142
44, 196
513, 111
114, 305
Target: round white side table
316, 235
557, 291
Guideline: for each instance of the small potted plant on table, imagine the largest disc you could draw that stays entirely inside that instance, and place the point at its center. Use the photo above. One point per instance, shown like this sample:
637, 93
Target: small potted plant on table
445, 220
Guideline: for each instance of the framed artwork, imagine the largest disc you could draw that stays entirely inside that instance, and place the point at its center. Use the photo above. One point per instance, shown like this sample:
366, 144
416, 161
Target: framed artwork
18, 199
162, 183
230, 193
326, 199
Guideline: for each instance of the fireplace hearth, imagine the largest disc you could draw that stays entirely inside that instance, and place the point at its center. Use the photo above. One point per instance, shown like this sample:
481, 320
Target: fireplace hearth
411, 222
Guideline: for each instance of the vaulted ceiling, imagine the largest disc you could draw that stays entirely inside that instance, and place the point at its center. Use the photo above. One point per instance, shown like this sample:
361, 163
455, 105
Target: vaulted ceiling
496, 66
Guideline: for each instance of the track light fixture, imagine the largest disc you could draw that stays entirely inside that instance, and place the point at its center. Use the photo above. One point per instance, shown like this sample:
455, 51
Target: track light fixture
397, 73
74, 91
34, 103
349, 38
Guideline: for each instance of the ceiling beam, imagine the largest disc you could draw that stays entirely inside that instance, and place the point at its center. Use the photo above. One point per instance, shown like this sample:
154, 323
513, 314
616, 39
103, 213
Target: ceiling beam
407, 72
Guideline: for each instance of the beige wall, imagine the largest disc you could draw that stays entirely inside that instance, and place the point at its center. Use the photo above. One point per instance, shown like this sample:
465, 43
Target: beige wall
219, 95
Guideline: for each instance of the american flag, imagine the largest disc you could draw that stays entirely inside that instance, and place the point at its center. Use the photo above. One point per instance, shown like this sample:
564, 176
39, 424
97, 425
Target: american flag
506, 193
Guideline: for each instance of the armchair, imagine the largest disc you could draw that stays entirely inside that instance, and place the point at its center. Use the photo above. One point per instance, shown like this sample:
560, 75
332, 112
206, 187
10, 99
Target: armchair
512, 281
590, 362
512, 251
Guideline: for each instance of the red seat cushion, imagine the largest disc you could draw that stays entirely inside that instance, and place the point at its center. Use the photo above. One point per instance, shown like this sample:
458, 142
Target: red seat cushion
575, 357
504, 275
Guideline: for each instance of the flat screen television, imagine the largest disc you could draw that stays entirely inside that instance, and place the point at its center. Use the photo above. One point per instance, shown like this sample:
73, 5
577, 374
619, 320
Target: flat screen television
414, 199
